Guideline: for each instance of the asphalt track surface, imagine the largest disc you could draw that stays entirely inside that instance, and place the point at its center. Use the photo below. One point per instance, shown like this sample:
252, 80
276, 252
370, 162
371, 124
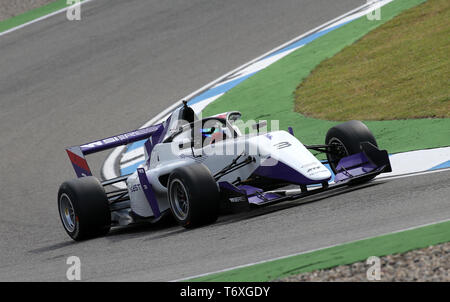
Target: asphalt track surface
65, 83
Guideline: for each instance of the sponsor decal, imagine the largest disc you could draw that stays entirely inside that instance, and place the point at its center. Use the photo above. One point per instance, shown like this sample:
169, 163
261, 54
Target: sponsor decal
135, 188
282, 145
238, 199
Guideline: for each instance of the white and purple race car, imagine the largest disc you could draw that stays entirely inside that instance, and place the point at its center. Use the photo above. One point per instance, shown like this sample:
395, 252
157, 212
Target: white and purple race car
196, 169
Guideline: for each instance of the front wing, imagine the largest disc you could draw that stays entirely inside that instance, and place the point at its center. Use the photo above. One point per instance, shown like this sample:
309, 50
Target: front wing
352, 169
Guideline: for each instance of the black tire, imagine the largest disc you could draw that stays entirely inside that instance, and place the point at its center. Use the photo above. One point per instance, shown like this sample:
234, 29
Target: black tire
194, 197
348, 137
90, 208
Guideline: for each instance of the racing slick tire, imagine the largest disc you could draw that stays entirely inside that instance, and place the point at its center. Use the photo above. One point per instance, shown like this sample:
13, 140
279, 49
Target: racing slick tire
348, 136
193, 195
84, 208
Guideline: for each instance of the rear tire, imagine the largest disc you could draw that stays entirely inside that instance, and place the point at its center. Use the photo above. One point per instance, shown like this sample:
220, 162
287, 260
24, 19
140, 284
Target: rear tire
194, 197
347, 137
84, 208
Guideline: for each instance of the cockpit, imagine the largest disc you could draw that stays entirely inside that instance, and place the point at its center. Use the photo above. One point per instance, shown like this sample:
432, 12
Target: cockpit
185, 127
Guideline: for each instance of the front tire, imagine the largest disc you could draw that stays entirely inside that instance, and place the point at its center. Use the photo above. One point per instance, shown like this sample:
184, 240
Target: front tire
194, 197
347, 138
84, 208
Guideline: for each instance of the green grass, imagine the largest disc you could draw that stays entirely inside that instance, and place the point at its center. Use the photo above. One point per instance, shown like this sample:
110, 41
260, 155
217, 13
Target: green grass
32, 15
400, 70
269, 95
395, 243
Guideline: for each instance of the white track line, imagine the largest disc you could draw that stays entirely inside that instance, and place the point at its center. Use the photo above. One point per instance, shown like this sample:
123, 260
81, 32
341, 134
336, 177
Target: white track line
43, 18
411, 174
306, 252
418, 160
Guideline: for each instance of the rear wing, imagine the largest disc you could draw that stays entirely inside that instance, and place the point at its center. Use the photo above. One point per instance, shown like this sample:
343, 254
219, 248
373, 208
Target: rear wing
77, 153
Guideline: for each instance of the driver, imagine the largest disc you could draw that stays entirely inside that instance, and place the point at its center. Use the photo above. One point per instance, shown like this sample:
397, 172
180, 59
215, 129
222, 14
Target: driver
212, 130
215, 134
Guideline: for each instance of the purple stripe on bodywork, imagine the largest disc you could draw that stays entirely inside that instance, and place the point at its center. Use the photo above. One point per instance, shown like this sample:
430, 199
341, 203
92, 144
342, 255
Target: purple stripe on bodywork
351, 173
353, 166
352, 161
249, 190
148, 148
148, 191
224, 185
291, 131
254, 195
263, 198
80, 172
283, 172
242, 190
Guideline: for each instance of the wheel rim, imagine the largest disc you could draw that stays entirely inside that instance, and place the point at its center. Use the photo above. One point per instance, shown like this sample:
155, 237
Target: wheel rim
67, 213
342, 152
179, 199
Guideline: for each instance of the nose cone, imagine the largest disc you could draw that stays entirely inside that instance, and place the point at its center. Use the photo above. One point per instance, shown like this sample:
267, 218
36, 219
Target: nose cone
285, 158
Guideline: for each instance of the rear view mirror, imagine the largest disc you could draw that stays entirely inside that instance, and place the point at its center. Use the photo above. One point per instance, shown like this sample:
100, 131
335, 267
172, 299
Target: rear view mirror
234, 116
261, 124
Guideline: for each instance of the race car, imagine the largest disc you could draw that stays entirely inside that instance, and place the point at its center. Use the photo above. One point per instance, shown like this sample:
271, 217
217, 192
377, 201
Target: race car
196, 169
